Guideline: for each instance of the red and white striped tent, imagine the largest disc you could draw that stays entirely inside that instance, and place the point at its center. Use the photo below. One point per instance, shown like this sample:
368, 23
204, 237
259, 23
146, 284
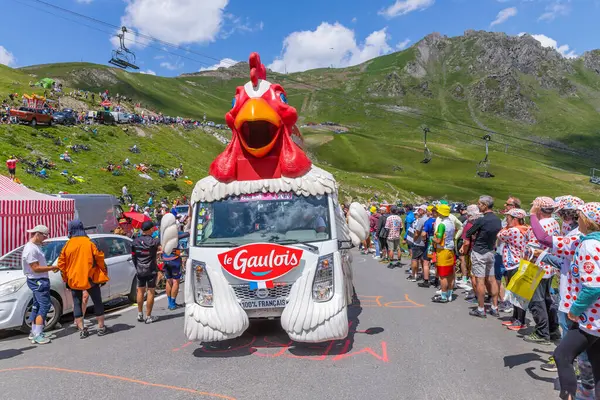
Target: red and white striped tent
22, 208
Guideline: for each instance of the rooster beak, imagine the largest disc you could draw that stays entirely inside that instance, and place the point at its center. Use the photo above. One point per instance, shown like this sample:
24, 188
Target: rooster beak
258, 125
257, 110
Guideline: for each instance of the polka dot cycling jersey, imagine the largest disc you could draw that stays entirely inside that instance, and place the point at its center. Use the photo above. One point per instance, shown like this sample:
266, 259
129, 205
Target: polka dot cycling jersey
514, 244
565, 228
552, 228
564, 247
585, 271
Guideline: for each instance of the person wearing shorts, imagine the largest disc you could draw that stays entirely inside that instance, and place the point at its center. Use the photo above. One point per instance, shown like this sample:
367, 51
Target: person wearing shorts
444, 248
393, 224
11, 164
144, 251
418, 247
485, 230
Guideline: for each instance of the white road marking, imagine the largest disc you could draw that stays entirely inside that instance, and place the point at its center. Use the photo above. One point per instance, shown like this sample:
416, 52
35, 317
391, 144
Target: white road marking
134, 307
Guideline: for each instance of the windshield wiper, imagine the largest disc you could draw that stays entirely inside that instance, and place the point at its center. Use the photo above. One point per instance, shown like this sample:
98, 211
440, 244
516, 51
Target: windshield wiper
218, 244
311, 247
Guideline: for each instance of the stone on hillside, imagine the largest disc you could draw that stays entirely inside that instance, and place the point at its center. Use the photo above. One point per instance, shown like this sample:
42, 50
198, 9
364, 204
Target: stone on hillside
591, 60
458, 92
390, 86
501, 95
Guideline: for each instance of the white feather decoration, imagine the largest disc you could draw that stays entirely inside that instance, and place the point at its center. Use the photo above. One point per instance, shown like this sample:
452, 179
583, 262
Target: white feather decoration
169, 235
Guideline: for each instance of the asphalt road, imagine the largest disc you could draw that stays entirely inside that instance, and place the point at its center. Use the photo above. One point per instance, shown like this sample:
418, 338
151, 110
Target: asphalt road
402, 346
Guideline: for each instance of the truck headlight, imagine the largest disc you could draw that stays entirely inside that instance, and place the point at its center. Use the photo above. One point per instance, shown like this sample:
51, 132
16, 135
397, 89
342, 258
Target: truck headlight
323, 282
203, 292
12, 286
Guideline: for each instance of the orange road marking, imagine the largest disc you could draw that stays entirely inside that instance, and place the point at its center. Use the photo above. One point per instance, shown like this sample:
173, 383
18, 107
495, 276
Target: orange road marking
410, 301
120, 378
182, 347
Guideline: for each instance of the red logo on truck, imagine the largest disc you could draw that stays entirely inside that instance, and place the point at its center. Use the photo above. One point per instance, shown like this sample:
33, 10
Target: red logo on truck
260, 261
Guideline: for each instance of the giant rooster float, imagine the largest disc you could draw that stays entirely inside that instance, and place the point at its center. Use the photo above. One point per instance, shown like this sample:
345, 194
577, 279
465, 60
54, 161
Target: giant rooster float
269, 238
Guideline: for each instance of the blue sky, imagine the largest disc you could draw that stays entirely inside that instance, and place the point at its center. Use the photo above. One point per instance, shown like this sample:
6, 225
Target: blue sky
290, 36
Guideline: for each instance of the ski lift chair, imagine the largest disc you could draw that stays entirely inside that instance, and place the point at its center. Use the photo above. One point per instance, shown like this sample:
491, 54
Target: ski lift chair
484, 165
427, 154
123, 57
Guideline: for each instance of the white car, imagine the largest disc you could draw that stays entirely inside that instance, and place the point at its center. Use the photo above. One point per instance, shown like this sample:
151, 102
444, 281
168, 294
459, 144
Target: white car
16, 298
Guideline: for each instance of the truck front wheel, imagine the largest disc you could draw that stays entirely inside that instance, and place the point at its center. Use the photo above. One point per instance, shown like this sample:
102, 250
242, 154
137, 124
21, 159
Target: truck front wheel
33, 123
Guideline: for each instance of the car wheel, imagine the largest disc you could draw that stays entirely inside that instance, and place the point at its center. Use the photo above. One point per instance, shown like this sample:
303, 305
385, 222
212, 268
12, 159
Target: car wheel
132, 296
50, 123
33, 123
52, 317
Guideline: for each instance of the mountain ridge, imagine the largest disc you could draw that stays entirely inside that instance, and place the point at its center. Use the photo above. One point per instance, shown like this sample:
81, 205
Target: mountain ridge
541, 110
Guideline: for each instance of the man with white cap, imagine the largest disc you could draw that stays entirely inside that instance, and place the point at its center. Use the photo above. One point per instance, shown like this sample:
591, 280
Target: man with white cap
36, 270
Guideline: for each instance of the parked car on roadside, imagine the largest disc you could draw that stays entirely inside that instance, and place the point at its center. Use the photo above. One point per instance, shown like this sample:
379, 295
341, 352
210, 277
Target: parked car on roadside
65, 117
16, 298
106, 118
32, 116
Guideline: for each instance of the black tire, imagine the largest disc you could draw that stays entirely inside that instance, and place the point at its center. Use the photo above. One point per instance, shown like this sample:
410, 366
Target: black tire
33, 123
50, 123
55, 312
132, 296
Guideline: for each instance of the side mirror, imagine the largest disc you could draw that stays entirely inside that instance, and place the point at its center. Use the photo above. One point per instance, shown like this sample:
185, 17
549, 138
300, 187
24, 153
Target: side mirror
345, 244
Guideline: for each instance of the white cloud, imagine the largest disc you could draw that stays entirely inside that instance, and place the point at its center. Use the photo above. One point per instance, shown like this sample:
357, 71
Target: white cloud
224, 63
6, 57
403, 7
329, 44
504, 15
148, 72
354, 20
171, 66
403, 44
546, 41
84, 1
176, 21
554, 10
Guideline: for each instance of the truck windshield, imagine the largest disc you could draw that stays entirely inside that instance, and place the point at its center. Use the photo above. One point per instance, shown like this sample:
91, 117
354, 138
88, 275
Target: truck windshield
262, 217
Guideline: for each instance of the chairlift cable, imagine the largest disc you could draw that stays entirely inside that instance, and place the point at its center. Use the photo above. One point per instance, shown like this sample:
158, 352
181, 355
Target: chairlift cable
308, 85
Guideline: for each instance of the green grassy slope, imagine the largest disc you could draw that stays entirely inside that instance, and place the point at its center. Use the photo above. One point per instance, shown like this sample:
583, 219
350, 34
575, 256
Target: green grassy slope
546, 99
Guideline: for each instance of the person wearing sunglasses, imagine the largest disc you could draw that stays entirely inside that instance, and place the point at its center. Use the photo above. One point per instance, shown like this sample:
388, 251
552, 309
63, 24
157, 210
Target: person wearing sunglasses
36, 270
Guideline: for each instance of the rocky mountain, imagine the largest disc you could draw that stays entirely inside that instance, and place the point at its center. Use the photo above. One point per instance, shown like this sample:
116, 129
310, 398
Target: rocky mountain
541, 109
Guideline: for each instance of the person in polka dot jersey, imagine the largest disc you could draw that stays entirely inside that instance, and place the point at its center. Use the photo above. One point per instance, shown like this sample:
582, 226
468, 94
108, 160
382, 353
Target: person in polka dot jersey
583, 296
544, 315
513, 239
562, 250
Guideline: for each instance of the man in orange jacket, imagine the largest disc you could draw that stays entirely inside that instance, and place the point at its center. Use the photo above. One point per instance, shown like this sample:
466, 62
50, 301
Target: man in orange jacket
83, 268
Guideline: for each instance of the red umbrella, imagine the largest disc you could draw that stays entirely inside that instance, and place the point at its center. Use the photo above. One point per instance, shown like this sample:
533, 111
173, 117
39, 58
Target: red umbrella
106, 103
137, 219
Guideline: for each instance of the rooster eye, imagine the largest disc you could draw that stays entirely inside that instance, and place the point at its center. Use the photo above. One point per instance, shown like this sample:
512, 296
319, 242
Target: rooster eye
233, 102
283, 98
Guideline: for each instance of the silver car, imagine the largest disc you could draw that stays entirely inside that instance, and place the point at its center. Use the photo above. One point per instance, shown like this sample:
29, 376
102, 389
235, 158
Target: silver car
16, 298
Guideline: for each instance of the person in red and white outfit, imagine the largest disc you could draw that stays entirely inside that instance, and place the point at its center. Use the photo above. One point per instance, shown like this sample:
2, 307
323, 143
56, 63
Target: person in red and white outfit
544, 315
11, 164
513, 236
583, 300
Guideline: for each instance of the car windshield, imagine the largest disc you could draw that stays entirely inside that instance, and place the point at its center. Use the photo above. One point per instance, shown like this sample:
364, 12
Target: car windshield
51, 251
182, 209
262, 217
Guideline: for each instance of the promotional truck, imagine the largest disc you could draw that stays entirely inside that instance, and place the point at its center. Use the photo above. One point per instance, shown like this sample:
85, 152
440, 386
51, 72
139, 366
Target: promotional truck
269, 238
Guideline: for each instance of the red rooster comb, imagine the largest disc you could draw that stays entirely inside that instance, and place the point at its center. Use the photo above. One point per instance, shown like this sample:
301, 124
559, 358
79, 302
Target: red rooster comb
257, 69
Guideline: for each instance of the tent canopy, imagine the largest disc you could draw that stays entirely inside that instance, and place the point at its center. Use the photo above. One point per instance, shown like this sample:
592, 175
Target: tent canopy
46, 83
22, 208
